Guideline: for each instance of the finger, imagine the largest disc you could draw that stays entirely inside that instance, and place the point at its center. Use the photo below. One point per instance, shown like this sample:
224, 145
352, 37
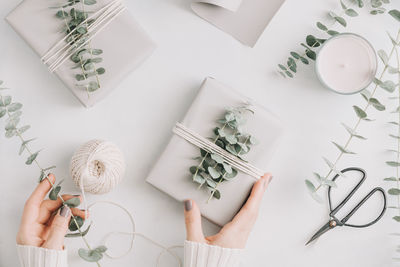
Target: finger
80, 213
53, 205
194, 231
58, 229
41, 191
248, 214
49, 206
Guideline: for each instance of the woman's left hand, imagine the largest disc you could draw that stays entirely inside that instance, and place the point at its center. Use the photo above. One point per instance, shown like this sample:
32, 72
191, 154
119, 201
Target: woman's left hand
44, 223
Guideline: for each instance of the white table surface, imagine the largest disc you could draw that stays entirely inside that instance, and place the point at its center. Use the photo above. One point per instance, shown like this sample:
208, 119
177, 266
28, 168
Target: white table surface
139, 114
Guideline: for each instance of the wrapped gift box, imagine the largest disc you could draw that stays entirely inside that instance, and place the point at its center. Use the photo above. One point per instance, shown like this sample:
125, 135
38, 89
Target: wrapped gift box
171, 172
124, 43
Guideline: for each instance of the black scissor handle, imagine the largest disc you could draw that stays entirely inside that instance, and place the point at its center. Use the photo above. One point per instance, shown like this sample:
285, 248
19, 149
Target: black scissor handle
344, 201
341, 204
376, 189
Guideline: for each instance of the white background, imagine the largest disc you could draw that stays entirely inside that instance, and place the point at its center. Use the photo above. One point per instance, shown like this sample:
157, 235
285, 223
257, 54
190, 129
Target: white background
139, 114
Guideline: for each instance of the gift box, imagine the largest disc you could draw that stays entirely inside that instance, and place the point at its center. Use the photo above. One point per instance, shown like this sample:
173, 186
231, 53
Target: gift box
171, 171
124, 43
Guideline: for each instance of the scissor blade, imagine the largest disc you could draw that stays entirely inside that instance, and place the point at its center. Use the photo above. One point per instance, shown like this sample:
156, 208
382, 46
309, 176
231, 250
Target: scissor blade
321, 231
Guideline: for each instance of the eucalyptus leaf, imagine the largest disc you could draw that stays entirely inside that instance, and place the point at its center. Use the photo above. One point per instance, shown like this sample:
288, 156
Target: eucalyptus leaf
213, 172
342, 149
23, 129
23, 145
282, 67
83, 233
72, 224
228, 176
360, 113
383, 56
376, 104
3, 112
393, 163
295, 55
90, 255
332, 32
32, 158
391, 179
321, 26
395, 14
217, 158
14, 107
351, 12
73, 202
394, 191
53, 195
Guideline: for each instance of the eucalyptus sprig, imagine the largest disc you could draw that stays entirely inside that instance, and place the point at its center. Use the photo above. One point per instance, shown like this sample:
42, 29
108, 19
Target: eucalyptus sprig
395, 190
312, 43
85, 58
11, 112
361, 113
212, 170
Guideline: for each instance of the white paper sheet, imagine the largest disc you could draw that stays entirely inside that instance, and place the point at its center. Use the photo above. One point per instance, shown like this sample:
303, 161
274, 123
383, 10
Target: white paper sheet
171, 172
245, 20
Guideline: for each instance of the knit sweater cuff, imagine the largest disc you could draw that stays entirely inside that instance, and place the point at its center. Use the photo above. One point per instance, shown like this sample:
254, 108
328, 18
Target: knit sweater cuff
30, 256
203, 255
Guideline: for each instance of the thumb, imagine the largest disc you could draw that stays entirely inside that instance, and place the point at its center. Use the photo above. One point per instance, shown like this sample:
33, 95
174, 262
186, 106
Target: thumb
58, 229
194, 231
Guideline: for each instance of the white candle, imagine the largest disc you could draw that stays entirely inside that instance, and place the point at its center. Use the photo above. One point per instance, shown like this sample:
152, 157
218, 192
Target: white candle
346, 63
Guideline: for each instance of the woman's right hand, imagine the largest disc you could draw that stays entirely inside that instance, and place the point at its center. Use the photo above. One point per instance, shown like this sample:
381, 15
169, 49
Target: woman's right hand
235, 233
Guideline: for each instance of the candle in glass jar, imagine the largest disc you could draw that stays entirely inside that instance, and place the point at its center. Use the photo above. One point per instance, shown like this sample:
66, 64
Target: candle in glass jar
346, 63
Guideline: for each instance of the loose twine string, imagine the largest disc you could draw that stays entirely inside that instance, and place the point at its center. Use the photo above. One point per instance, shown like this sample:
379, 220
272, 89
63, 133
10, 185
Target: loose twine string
205, 144
102, 18
87, 179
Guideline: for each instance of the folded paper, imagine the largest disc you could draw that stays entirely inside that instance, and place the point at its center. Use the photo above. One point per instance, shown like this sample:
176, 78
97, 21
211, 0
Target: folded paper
245, 20
171, 171
124, 43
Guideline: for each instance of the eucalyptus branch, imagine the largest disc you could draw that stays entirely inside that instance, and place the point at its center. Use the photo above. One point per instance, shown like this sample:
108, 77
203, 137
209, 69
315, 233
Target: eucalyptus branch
73, 20
362, 116
12, 110
290, 68
395, 191
212, 169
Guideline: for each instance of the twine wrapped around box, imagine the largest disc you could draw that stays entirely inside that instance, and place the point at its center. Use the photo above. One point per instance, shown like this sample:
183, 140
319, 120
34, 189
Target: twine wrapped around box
170, 173
124, 42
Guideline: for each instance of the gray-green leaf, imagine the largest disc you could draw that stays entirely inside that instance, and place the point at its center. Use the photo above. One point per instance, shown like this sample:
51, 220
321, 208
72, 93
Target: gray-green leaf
213, 172
31, 158
394, 191
360, 113
73, 202
395, 14
383, 56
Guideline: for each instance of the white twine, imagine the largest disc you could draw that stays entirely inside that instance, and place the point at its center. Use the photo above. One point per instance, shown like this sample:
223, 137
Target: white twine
97, 167
134, 234
205, 144
102, 18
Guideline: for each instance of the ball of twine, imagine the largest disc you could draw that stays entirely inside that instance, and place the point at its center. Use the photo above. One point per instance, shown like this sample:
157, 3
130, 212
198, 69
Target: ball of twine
97, 166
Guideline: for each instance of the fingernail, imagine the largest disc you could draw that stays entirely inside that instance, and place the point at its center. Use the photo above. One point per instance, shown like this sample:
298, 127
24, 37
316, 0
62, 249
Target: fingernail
267, 181
188, 205
76, 195
65, 211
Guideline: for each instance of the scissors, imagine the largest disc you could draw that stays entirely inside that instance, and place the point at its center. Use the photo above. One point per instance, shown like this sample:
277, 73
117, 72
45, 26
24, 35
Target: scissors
333, 221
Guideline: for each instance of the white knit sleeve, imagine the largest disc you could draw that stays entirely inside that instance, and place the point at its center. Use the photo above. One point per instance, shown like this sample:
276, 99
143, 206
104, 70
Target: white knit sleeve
30, 256
203, 255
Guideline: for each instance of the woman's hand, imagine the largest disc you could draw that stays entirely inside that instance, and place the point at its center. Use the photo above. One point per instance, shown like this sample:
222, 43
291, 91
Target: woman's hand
235, 233
43, 223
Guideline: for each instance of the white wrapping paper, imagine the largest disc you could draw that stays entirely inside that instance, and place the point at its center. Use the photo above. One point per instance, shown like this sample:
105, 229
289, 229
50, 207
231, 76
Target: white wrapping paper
124, 43
245, 20
171, 172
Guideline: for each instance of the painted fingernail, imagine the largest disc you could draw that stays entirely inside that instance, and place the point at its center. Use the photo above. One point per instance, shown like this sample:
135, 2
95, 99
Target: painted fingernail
76, 195
267, 181
188, 205
65, 211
